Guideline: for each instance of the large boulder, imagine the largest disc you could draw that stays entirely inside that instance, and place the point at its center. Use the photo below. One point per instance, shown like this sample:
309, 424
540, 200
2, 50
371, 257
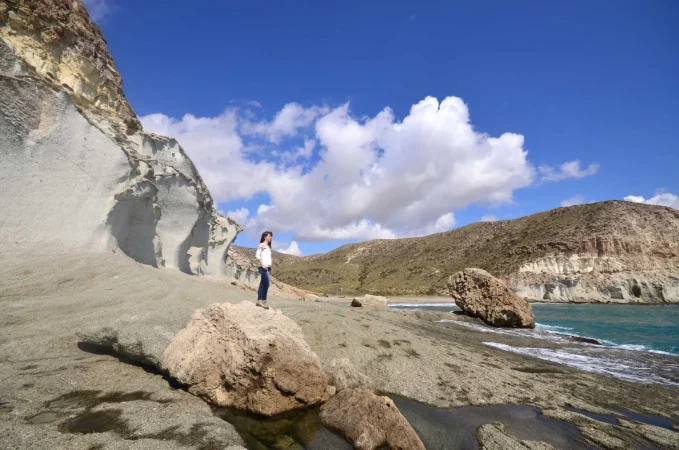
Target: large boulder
343, 375
369, 421
480, 294
248, 358
370, 301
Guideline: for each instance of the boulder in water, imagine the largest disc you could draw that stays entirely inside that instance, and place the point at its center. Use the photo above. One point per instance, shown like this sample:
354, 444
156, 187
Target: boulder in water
369, 421
479, 294
586, 340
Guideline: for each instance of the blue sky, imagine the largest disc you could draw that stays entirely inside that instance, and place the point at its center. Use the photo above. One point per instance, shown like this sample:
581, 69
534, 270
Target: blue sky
332, 123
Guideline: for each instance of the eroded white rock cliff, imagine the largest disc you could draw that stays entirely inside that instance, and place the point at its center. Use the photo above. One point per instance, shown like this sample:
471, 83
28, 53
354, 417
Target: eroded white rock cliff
76, 169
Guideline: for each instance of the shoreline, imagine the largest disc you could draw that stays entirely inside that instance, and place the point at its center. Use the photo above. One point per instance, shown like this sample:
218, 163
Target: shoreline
442, 300
419, 299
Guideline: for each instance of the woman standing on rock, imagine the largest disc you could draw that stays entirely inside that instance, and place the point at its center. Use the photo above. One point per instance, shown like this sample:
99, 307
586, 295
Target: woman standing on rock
263, 256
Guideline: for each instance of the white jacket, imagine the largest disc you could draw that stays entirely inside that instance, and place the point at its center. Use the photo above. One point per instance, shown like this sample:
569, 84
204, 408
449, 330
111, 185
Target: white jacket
264, 255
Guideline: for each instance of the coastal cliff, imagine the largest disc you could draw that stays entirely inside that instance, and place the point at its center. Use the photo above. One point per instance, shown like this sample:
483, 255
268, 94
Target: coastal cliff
77, 171
612, 251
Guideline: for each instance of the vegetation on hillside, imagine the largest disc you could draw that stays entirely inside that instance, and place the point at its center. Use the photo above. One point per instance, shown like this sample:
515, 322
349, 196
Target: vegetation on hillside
421, 266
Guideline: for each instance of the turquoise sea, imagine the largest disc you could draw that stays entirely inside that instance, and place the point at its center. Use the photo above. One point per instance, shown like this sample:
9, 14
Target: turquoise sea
638, 342
634, 327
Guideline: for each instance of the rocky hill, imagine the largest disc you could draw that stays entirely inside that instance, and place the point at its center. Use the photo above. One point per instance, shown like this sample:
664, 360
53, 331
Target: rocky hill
281, 258
610, 251
77, 171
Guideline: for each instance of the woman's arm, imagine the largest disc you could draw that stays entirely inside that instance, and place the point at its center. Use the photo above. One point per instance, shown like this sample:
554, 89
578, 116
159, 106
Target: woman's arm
258, 255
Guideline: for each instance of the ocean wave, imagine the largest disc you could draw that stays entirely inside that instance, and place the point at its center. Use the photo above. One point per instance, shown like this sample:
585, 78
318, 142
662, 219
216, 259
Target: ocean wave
635, 347
555, 328
553, 334
523, 332
639, 348
627, 370
660, 352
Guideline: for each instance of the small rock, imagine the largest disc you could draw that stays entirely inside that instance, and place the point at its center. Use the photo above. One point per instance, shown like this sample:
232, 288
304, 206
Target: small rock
343, 375
369, 421
494, 436
479, 294
312, 298
370, 301
330, 392
584, 339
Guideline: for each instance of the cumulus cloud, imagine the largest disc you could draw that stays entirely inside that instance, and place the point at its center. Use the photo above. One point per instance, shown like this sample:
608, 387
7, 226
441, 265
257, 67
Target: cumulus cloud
98, 9
292, 249
575, 200
566, 170
489, 218
661, 198
240, 215
356, 177
287, 122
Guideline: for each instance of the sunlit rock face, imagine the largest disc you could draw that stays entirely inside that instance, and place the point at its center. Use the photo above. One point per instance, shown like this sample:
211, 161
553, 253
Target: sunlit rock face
76, 169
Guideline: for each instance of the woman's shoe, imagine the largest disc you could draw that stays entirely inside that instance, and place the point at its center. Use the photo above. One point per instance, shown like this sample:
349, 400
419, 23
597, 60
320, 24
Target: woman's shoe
262, 304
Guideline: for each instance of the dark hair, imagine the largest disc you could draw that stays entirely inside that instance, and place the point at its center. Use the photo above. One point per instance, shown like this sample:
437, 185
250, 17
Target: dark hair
264, 237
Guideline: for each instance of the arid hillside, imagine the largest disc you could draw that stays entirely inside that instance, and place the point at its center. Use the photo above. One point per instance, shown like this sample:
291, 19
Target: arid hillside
609, 251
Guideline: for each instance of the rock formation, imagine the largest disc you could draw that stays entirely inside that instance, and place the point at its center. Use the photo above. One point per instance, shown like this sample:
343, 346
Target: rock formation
343, 375
612, 251
494, 436
369, 421
78, 172
248, 358
230, 355
479, 294
370, 301
241, 268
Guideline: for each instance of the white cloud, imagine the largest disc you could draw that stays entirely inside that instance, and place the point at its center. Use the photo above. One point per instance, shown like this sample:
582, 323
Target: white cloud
98, 9
566, 170
240, 215
489, 218
371, 177
445, 222
292, 249
299, 153
575, 200
287, 122
661, 198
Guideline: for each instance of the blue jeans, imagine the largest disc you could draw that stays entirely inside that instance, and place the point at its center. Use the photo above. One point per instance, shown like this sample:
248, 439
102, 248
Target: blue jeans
264, 283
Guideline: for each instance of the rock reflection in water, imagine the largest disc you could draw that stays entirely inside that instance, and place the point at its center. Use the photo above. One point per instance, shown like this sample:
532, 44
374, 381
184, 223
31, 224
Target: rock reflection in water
300, 430
446, 428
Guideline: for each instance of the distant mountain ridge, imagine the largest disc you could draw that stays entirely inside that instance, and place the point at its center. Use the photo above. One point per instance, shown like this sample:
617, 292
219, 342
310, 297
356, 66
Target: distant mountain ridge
610, 251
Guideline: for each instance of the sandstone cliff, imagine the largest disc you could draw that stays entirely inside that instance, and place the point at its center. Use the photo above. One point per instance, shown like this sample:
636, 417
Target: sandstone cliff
611, 251
76, 169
